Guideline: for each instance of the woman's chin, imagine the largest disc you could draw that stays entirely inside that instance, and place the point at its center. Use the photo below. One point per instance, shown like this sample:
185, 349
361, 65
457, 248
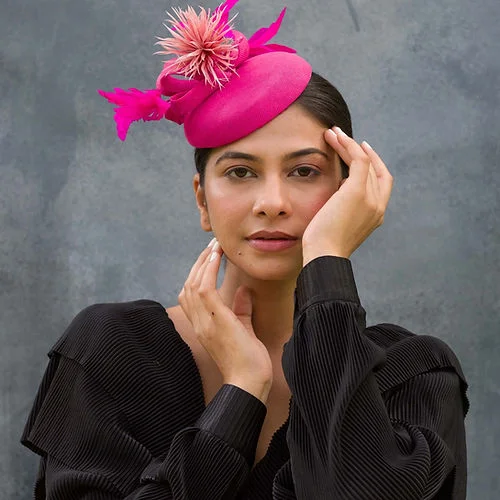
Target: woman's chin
275, 269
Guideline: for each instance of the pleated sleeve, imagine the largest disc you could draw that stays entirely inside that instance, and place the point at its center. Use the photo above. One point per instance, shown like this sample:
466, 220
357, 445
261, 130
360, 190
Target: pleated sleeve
91, 448
367, 422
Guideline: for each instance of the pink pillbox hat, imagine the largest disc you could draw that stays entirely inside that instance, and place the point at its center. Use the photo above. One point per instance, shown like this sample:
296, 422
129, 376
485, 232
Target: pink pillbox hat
222, 86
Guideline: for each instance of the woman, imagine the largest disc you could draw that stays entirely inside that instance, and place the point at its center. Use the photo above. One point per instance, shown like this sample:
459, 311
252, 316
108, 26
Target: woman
270, 386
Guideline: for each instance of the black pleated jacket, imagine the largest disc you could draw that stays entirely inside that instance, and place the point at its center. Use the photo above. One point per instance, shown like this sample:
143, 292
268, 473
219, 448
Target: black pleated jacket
375, 413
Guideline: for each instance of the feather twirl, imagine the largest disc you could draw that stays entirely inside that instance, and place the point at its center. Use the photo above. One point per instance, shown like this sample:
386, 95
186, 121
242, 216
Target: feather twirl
202, 44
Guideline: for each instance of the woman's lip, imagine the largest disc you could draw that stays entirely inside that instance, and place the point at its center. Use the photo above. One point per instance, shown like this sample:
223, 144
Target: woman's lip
271, 235
271, 245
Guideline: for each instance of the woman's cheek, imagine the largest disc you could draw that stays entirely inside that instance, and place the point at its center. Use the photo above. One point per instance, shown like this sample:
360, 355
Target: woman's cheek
226, 217
315, 205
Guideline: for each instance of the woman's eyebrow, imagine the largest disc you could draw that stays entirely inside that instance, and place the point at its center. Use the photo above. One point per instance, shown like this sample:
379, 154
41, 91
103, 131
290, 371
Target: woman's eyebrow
236, 155
306, 152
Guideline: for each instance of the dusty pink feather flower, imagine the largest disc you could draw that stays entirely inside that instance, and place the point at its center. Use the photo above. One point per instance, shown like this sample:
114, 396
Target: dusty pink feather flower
203, 45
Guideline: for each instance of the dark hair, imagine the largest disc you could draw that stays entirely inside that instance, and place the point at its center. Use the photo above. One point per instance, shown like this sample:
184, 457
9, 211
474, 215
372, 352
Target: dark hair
322, 100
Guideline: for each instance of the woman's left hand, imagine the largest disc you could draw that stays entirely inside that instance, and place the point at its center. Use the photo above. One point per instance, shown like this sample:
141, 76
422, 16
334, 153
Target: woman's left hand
356, 209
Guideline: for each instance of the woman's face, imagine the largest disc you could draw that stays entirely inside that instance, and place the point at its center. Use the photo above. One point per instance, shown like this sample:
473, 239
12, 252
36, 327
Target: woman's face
262, 191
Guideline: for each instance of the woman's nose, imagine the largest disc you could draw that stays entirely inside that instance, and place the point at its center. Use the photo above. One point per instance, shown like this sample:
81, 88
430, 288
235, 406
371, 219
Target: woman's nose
272, 199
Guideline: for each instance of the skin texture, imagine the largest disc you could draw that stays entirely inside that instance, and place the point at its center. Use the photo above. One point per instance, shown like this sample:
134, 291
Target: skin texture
243, 325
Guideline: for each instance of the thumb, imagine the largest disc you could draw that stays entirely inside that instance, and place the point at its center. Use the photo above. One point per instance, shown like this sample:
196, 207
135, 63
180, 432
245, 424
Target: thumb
242, 303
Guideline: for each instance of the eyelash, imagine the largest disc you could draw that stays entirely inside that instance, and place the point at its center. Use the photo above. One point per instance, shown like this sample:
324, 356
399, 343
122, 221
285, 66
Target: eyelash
235, 169
312, 172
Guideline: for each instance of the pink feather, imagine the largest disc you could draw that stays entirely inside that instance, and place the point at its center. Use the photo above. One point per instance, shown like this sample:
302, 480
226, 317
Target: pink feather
263, 35
134, 105
225, 8
270, 47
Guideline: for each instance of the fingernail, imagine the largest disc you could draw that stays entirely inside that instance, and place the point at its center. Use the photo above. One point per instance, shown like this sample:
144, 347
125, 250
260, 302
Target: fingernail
367, 145
212, 241
213, 256
215, 246
339, 131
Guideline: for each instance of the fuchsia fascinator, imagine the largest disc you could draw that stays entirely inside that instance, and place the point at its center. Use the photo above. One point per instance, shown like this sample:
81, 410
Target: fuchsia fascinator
220, 85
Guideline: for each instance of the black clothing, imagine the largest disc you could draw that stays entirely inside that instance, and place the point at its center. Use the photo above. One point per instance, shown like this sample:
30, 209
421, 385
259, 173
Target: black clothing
375, 413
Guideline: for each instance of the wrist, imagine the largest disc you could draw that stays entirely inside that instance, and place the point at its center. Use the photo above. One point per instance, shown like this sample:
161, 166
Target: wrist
258, 389
310, 253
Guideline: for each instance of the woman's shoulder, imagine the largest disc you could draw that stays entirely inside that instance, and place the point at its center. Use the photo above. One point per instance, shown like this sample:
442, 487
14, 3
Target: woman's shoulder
105, 323
114, 337
124, 363
409, 355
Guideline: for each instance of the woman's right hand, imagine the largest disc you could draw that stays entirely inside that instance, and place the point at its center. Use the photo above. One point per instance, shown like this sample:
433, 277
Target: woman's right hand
356, 209
226, 334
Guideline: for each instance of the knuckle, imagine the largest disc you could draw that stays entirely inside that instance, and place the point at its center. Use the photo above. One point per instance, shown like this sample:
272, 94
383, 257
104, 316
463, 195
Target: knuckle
372, 206
358, 154
355, 156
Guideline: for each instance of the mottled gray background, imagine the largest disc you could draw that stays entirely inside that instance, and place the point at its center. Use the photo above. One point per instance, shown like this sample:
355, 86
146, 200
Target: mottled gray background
85, 218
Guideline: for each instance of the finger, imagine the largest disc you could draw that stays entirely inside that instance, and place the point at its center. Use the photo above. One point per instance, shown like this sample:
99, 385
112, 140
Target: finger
196, 277
359, 160
372, 174
373, 185
384, 177
379, 165
242, 307
200, 261
215, 250
210, 270
185, 296
332, 140
205, 298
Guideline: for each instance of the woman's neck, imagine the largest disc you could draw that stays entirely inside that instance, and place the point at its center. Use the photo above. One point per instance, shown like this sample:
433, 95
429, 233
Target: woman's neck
272, 305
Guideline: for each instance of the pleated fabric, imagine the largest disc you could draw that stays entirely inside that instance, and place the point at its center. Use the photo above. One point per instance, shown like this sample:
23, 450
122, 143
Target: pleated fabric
375, 413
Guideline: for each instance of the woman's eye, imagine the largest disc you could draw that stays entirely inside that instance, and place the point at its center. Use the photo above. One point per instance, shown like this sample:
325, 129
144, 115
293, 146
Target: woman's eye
304, 172
240, 172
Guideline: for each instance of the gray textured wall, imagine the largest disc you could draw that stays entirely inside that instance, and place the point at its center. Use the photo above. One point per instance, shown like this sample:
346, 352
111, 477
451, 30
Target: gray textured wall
85, 218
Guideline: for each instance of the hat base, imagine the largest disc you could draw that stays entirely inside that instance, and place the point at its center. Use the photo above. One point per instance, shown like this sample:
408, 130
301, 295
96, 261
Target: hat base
265, 85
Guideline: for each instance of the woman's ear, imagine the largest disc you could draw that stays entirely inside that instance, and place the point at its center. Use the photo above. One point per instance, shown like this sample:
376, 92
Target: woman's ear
201, 202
